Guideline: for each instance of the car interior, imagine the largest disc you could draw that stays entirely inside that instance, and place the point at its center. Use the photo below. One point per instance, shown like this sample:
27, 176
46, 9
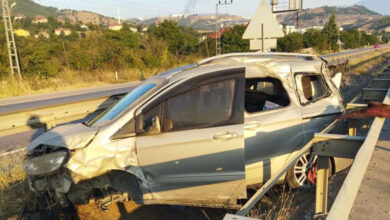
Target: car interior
310, 87
263, 94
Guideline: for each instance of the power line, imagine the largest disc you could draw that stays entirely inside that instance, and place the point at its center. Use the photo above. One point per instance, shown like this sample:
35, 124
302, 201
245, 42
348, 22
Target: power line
11, 45
218, 47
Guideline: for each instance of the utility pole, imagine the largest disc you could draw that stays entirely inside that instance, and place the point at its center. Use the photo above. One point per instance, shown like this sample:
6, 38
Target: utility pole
218, 48
11, 45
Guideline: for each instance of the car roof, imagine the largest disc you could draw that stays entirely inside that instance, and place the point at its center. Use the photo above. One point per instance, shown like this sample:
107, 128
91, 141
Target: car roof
270, 63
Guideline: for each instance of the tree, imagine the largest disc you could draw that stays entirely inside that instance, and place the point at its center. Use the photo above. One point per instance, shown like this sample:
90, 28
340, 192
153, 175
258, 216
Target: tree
331, 30
180, 40
232, 40
351, 39
290, 43
315, 39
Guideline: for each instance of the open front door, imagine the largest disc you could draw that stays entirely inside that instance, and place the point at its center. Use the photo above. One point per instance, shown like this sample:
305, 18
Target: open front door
197, 156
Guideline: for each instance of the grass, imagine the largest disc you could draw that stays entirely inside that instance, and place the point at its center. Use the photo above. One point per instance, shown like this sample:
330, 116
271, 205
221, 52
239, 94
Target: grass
69, 80
14, 192
367, 65
276, 205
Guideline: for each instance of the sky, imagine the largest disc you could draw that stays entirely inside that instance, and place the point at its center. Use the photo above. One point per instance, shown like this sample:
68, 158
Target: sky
154, 8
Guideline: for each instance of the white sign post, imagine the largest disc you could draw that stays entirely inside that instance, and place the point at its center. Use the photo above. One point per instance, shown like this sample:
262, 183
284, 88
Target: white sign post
263, 29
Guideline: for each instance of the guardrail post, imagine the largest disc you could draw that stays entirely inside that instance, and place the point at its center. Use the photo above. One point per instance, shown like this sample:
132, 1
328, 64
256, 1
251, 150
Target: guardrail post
50, 123
46, 119
352, 127
322, 187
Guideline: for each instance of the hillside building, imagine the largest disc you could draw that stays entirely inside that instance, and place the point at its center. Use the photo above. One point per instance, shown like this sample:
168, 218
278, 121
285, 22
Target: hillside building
61, 19
19, 17
133, 29
21, 33
59, 31
84, 27
115, 26
39, 19
218, 35
44, 34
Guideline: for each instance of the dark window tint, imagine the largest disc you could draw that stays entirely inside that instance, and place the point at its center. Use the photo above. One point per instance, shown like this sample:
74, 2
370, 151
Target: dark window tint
264, 94
203, 106
127, 130
311, 87
145, 120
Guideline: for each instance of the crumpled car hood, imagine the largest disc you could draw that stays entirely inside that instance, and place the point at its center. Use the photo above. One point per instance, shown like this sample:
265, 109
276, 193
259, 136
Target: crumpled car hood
72, 136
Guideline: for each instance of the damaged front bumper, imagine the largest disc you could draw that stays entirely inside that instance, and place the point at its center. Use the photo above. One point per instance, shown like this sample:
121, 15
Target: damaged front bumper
55, 184
47, 175
59, 184
68, 164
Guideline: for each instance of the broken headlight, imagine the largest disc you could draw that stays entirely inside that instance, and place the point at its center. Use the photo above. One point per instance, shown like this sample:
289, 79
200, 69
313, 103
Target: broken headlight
44, 164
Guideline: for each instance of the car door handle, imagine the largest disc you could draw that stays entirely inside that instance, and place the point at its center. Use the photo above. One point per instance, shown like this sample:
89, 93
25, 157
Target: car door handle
252, 126
224, 136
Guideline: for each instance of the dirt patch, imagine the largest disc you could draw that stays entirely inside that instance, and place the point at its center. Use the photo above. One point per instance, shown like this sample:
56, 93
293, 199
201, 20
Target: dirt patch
305, 198
130, 210
276, 204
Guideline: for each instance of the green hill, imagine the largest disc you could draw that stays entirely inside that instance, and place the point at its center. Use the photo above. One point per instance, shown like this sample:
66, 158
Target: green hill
31, 9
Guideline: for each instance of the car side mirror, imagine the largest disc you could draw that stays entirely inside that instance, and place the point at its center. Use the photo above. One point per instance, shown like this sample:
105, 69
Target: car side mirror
153, 125
167, 124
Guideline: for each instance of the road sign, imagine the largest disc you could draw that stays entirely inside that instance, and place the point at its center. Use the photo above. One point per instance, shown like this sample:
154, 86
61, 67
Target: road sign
263, 29
279, 6
260, 44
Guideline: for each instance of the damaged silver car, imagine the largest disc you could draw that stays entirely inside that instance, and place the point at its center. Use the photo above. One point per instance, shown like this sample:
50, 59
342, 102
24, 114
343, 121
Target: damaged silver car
198, 135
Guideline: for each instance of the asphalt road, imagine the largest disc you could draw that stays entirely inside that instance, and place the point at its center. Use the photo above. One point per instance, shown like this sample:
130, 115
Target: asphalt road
23, 139
57, 98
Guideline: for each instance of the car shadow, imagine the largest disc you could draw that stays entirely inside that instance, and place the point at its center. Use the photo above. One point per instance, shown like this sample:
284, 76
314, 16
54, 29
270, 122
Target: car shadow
170, 212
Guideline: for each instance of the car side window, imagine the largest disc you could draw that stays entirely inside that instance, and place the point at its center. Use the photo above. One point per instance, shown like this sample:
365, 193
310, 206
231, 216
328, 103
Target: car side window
205, 105
145, 120
128, 130
264, 94
310, 87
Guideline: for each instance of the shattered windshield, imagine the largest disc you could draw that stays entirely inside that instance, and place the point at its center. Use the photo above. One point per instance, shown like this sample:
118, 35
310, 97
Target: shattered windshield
126, 101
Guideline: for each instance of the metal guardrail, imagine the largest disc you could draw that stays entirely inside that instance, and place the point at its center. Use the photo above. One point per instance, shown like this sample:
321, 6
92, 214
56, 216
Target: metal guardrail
343, 204
271, 182
355, 53
49, 116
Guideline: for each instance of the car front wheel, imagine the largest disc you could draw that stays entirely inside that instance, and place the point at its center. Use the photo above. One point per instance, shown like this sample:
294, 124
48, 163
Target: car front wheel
303, 172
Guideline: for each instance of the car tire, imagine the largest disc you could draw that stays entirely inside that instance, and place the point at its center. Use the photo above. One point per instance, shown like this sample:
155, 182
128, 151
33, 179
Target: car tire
297, 175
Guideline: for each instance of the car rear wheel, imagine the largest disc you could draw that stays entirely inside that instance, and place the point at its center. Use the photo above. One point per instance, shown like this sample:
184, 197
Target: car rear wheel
303, 172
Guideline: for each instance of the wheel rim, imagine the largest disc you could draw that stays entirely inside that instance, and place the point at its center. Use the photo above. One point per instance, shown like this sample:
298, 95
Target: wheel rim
301, 168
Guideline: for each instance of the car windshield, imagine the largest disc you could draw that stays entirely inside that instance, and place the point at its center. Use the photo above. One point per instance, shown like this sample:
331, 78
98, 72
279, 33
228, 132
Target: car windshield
126, 101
